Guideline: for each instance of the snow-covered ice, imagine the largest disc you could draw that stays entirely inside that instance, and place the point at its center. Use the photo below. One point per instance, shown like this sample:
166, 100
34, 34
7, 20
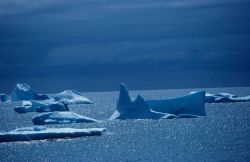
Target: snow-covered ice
23, 91
60, 118
40, 106
3, 97
140, 109
192, 104
41, 133
224, 97
71, 97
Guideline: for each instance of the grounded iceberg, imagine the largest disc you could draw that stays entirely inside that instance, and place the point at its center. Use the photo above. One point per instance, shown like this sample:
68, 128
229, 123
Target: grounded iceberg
60, 118
25, 92
3, 97
40, 106
140, 109
70, 97
192, 104
224, 97
41, 133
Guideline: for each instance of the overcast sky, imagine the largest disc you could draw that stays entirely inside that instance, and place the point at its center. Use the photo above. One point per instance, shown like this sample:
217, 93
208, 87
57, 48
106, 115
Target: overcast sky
92, 45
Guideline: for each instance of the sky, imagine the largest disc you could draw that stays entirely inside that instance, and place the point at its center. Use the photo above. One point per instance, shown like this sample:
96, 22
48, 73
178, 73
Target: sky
93, 45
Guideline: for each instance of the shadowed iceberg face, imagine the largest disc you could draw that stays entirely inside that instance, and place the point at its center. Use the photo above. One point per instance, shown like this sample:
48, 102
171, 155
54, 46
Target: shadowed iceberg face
61, 118
192, 104
41, 133
25, 92
140, 109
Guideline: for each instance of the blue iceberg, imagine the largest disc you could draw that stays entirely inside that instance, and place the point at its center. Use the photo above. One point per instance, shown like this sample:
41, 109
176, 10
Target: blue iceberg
40, 106
61, 118
192, 104
140, 109
25, 92
41, 133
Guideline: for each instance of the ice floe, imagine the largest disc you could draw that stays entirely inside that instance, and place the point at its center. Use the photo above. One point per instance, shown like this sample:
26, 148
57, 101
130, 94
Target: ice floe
40, 106
71, 97
60, 118
25, 92
41, 133
140, 109
224, 97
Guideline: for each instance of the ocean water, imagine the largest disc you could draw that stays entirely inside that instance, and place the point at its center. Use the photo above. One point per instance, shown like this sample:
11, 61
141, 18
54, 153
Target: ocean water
223, 135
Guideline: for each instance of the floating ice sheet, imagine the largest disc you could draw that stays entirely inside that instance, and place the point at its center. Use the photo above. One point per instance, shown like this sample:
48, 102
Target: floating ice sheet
41, 133
60, 118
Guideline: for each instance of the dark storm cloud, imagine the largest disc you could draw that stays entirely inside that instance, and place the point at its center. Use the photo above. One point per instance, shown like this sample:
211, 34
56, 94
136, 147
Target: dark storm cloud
51, 37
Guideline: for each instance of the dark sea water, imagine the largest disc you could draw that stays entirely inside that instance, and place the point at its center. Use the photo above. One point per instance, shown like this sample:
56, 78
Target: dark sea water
223, 135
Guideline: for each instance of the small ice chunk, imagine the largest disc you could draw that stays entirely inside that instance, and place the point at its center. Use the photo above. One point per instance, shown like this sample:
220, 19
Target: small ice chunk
60, 118
23, 91
3, 97
71, 97
41, 133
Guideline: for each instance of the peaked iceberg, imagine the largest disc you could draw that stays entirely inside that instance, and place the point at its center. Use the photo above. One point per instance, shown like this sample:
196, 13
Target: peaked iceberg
60, 118
192, 104
25, 92
41, 106
3, 97
139, 108
71, 97
41, 133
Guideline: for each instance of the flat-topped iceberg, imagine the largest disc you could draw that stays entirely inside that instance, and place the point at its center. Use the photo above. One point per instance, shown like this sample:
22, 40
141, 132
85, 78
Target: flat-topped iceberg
23, 91
3, 97
224, 97
71, 97
140, 109
40, 106
192, 104
41, 133
60, 118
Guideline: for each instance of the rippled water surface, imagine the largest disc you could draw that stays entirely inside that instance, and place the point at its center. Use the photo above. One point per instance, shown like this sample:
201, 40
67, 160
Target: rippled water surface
223, 135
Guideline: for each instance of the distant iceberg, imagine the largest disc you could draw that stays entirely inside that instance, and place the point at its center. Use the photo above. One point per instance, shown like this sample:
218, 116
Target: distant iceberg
60, 118
224, 97
140, 109
3, 97
25, 92
41, 133
71, 97
40, 106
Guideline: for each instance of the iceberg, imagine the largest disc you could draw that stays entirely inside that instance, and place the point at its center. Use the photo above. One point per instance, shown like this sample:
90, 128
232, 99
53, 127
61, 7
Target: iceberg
139, 109
71, 97
192, 104
40, 106
3, 97
25, 92
224, 97
60, 118
41, 133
